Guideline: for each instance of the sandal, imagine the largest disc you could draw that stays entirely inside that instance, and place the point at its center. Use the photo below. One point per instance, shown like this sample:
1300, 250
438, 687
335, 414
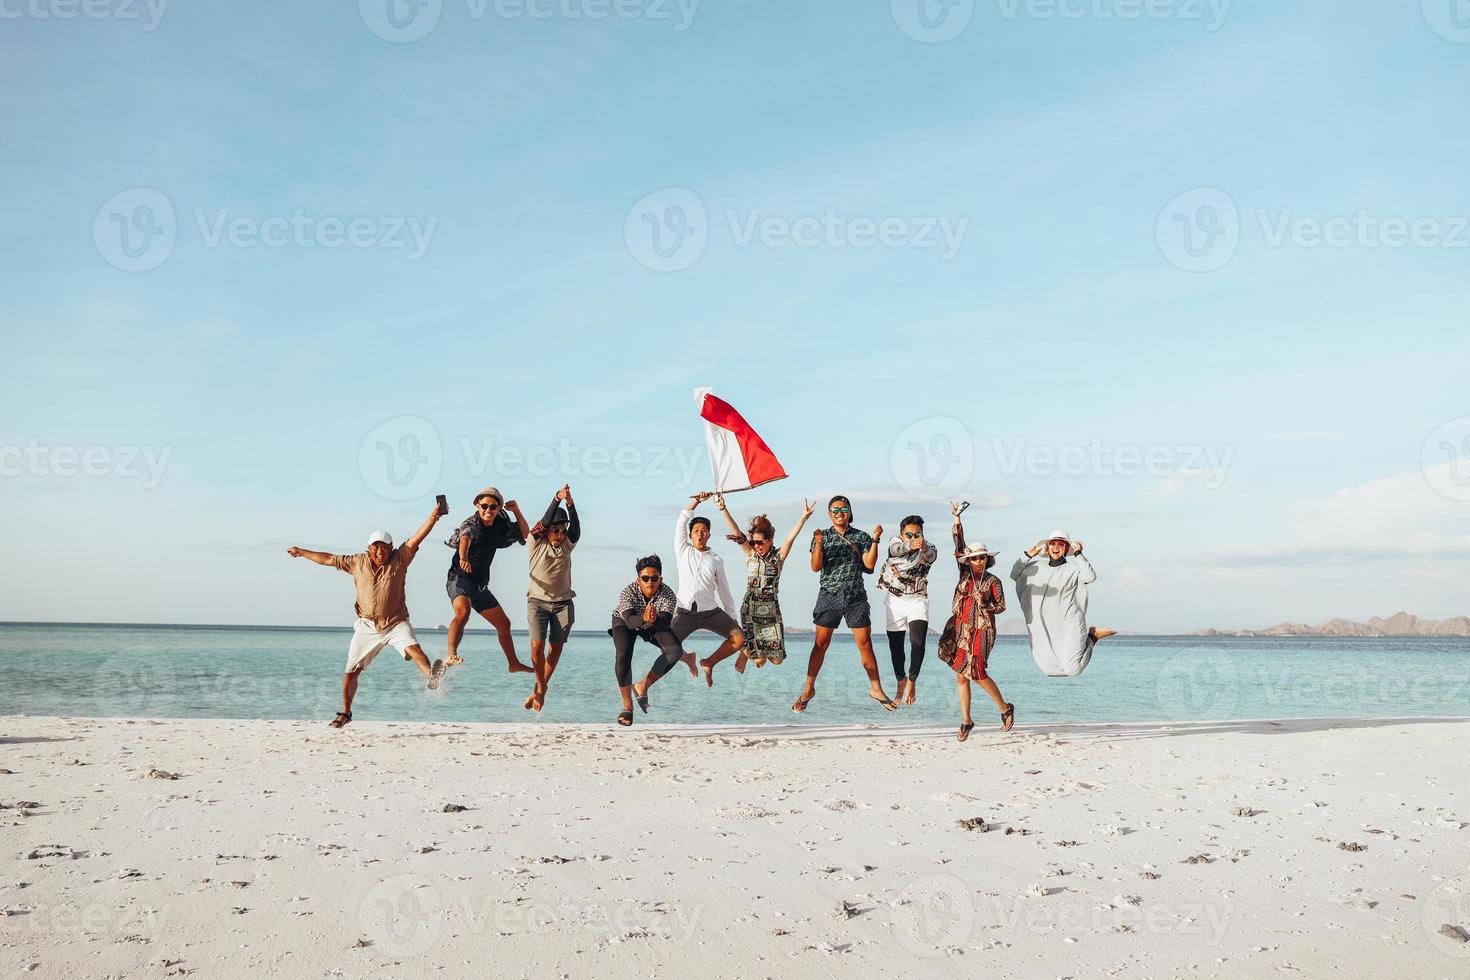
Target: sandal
625, 718
887, 703
1008, 717
964, 733
642, 700
801, 703
436, 674
343, 717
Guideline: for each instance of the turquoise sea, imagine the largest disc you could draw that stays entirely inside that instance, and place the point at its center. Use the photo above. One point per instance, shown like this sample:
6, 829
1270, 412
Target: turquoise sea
255, 672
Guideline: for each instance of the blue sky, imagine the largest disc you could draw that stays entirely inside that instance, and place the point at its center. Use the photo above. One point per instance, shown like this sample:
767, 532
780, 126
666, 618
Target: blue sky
1067, 155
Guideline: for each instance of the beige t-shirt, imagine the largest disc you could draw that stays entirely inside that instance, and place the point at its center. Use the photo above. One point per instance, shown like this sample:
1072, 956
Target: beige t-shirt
379, 590
551, 570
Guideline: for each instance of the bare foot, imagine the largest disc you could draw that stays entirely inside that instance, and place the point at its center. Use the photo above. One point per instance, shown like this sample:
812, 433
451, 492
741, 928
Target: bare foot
760, 662
740, 663
538, 702
689, 662
908, 692
516, 667
530, 702
709, 673
453, 660
1101, 634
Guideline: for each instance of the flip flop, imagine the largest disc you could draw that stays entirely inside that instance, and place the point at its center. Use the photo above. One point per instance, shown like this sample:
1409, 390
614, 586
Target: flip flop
801, 703
1008, 717
343, 717
642, 700
625, 718
436, 674
964, 733
887, 703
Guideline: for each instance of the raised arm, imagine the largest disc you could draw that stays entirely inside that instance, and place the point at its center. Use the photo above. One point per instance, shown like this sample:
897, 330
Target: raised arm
320, 557
574, 523
521, 525
870, 557
411, 546
806, 515
735, 533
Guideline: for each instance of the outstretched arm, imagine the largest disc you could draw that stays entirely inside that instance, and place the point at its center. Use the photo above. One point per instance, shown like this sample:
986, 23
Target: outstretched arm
791, 538
736, 536
411, 546
870, 557
320, 557
574, 523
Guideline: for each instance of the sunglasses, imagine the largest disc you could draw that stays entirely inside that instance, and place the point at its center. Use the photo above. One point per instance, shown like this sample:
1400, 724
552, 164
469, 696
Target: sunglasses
490, 507
841, 510
912, 536
648, 578
760, 541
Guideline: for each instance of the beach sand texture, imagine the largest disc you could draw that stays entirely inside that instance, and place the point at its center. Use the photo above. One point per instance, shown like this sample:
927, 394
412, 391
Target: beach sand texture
228, 848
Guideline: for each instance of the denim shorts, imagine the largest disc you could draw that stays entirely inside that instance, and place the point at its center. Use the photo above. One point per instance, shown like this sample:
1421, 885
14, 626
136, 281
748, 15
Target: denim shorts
481, 598
554, 618
831, 610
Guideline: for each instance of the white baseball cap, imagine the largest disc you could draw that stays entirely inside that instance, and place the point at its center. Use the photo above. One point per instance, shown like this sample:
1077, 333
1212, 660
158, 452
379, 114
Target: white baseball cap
382, 536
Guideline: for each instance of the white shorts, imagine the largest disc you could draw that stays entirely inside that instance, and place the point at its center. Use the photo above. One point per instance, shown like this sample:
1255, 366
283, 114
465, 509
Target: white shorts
368, 642
900, 610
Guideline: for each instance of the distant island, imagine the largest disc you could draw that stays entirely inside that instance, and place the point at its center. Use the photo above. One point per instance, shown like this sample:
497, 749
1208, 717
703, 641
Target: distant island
1399, 624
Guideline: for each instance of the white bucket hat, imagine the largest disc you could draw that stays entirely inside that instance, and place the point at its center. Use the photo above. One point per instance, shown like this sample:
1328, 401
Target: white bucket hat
1059, 536
975, 551
380, 536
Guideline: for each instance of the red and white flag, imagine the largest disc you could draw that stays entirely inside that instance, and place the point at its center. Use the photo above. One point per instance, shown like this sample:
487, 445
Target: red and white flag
738, 455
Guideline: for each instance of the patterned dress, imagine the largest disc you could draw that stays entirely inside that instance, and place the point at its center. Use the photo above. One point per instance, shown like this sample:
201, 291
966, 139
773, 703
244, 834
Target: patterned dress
760, 612
969, 636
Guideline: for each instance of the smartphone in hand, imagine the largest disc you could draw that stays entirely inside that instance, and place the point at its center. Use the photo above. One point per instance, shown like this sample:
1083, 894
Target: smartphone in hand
443, 505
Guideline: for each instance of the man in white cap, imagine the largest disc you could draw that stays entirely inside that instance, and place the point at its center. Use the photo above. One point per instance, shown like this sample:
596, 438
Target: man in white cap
379, 575
1053, 596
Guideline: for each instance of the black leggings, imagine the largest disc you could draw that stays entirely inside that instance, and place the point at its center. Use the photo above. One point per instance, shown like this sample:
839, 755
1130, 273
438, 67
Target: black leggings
917, 635
623, 642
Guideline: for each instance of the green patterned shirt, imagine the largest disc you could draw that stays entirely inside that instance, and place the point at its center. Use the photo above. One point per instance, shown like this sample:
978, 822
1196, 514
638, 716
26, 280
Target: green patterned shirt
842, 563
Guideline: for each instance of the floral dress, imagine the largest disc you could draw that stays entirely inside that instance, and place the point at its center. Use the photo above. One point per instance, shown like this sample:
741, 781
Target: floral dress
969, 636
760, 612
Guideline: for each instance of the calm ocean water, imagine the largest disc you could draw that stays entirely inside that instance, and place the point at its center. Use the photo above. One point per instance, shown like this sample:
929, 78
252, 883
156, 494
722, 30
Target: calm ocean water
233, 672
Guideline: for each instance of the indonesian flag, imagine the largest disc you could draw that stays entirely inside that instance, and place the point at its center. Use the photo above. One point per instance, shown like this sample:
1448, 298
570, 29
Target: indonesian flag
738, 455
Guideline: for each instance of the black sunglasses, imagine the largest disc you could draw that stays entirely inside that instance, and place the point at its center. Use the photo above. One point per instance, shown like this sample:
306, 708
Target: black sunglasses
648, 578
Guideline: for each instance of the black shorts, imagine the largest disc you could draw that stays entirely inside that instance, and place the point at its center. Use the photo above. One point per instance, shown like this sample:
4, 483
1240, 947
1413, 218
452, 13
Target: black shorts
481, 598
831, 610
713, 620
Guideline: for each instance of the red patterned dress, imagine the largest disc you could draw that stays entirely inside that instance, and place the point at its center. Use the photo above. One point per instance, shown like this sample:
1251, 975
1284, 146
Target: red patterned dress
969, 636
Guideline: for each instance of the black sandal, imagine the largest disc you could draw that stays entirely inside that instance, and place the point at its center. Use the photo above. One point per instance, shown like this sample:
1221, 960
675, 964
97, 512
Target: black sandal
964, 733
1008, 717
801, 703
887, 703
642, 700
625, 718
343, 717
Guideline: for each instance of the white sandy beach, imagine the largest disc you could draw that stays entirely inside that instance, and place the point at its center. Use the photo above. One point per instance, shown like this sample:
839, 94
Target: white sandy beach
286, 849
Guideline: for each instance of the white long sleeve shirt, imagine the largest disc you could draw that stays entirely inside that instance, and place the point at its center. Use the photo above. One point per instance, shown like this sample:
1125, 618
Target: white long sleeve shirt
702, 582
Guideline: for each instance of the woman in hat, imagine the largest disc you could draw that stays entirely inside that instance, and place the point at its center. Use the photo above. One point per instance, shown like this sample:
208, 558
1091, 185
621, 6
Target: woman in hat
645, 611
1053, 596
969, 636
475, 543
905, 584
760, 610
